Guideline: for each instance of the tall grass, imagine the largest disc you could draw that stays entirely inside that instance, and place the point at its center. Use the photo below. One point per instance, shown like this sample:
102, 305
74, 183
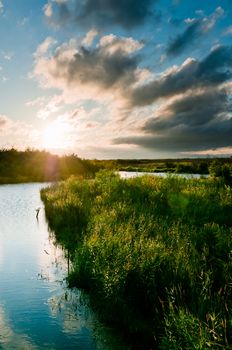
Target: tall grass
154, 254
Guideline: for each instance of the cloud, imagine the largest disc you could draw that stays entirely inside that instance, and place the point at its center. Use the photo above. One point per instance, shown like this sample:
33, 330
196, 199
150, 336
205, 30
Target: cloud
191, 110
45, 46
39, 101
195, 30
1, 7
228, 31
195, 106
7, 55
185, 39
47, 107
100, 13
109, 66
3, 79
4, 122
11, 338
48, 10
23, 21
17, 134
89, 37
53, 106
214, 69
196, 121
186, 108
219, 152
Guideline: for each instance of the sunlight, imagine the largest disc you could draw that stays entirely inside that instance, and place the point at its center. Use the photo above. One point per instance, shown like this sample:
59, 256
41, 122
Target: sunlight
55, 136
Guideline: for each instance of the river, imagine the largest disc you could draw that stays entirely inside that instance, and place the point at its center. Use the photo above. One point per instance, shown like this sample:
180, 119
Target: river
131, 174
37, 310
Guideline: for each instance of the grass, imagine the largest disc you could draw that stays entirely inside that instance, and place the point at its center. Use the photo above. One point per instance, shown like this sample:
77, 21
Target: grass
153, 253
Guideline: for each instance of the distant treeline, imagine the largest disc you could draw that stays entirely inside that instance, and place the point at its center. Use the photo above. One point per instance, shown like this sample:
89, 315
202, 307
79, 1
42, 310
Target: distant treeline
216, 167
193, 166
36, 166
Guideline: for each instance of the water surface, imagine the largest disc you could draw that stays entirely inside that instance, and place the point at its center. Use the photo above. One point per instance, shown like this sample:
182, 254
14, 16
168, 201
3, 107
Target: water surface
37, 311
130, 174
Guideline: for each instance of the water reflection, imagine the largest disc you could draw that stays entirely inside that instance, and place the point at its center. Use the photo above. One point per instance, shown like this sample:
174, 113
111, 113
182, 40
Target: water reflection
9, 338
37, 311
131, 174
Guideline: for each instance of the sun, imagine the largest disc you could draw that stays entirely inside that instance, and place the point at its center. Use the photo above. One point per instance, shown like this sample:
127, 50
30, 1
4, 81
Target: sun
56, 136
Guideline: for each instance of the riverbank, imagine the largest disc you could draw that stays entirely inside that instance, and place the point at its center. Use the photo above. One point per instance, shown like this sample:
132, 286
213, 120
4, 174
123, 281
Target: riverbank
37, 309
153, 253
41, 166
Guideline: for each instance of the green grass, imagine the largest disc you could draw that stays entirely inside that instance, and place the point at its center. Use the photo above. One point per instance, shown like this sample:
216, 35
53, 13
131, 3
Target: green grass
153, 253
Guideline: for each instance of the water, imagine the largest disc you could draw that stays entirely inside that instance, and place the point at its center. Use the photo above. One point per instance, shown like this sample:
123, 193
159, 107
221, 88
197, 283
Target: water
37, 311
130, 174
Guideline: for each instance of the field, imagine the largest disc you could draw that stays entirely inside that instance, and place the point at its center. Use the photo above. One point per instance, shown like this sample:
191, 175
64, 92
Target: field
154, 255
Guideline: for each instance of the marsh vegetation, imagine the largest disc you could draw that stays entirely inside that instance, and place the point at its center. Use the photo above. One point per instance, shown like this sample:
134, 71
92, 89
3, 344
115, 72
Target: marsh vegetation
153, 253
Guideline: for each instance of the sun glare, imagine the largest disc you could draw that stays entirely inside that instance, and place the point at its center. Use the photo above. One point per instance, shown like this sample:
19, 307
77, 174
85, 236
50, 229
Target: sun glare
55, 136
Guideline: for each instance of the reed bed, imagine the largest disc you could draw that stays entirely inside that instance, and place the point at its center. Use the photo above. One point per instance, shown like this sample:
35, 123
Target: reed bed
153, 253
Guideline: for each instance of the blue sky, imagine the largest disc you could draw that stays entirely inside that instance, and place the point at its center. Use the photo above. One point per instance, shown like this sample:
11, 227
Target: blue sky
117, 78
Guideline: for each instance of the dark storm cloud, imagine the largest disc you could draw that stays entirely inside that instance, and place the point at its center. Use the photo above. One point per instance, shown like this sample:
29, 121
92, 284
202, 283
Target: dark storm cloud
97, 67
217, 66
193, 122
191, 111
104, 13
195, 30
213, 70
184, 141
185, 39
196, 114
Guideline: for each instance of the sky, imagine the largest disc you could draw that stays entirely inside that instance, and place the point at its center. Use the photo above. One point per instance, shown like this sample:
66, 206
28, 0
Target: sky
112, 79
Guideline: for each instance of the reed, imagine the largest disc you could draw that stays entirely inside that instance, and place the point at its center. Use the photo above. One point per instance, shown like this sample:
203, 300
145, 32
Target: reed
153, 253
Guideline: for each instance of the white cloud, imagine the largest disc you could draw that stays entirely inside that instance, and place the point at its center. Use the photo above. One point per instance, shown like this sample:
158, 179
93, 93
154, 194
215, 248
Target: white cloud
47, 106
45, 46
228, 31
190, 20
8, 56
90, 36
39, 101
111, 43
48, 11
1, 7
209, 22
